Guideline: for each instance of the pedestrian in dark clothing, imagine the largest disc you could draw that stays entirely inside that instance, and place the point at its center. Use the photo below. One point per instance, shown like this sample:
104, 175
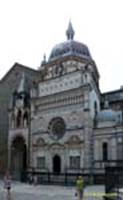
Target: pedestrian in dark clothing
7, 184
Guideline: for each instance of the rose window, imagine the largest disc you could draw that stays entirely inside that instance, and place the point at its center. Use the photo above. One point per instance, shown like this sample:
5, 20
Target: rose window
57, 128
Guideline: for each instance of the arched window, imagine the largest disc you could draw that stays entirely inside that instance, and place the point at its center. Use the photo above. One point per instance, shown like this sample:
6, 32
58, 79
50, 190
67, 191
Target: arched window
12, 120
25, 118
95, 108
105, 151
19, 116
86, 78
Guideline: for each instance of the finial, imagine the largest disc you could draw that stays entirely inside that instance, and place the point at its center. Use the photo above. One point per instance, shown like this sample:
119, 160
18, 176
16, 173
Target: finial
70, 31
21, 87
44, 60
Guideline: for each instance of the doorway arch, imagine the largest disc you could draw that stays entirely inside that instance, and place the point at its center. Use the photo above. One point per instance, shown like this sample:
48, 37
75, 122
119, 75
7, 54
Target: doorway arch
57, 164
18, 156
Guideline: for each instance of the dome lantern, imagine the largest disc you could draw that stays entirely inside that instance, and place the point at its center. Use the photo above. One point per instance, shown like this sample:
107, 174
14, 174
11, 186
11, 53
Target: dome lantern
70, 47
44, 60
70, 31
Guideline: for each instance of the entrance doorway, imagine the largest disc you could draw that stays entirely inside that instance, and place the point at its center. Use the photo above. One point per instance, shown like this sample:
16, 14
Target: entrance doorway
18, 157
56, 164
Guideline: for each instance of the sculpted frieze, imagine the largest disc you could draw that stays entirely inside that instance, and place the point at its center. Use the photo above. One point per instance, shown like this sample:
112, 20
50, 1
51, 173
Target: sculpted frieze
74, 140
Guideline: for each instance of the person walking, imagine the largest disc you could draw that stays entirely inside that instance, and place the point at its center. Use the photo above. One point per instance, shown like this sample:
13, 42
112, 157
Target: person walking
35, 180
7, 184
80, 187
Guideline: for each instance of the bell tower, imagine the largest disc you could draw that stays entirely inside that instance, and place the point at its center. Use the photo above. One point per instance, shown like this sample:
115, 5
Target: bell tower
20, 104
18, 139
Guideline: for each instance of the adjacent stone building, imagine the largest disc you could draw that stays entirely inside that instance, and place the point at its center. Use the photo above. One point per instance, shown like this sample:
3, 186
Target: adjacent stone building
8, 86
60, 122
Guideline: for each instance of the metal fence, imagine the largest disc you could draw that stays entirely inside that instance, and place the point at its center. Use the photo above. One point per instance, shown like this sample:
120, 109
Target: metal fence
61, 178
53, 178
113, 182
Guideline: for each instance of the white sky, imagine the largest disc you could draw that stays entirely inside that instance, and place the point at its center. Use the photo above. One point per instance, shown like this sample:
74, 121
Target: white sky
30, 28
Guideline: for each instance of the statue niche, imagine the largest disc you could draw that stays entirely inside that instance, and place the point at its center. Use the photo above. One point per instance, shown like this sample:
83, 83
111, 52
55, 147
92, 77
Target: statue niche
59, 69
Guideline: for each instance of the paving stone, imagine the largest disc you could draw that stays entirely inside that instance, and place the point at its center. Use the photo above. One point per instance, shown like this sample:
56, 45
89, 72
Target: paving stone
43, 192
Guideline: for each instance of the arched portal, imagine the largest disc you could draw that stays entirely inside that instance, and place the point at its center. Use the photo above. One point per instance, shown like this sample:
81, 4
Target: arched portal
56, 164
18, 156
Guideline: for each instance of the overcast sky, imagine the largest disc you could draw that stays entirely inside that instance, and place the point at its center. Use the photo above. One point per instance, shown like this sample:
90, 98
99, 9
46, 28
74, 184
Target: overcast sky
30, 28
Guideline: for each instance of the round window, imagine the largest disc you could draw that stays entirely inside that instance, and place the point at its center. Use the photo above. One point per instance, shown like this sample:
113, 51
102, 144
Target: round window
57, 128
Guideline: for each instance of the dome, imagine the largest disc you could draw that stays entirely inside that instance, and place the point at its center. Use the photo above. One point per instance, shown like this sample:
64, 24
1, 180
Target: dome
107, 115
70, 47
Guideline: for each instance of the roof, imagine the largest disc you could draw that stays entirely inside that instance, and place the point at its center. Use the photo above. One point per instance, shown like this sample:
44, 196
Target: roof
19, 66
68, 48
112, 96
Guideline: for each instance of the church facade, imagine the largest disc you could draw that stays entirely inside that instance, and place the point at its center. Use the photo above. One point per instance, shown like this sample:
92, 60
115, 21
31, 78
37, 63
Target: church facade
62, 123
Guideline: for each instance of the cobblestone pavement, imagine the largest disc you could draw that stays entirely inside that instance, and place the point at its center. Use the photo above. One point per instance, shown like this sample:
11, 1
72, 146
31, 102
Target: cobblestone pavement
42, 192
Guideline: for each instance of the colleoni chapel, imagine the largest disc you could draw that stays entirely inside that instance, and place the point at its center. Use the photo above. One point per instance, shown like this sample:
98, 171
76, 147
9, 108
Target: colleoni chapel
56, 119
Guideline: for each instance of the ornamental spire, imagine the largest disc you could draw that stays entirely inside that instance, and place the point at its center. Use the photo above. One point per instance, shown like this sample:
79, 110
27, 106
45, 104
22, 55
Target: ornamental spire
44, 60
21, 87
70, 31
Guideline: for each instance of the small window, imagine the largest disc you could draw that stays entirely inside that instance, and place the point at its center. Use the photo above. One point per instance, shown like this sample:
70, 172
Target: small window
75, 162
105, 151
41, 162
